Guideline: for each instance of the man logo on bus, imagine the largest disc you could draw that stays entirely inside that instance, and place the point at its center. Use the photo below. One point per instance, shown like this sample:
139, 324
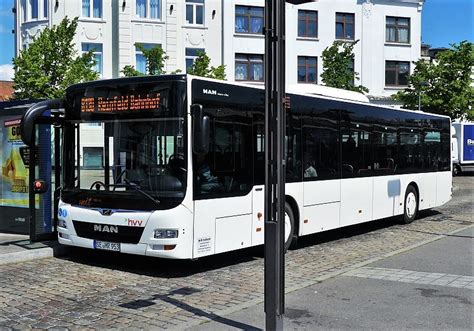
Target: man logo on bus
211, 92
106, 228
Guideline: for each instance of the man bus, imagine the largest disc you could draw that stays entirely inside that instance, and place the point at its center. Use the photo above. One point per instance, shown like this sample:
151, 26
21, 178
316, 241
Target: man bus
184, 164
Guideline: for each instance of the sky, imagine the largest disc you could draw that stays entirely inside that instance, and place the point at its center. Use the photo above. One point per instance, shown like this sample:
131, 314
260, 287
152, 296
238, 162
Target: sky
443, 22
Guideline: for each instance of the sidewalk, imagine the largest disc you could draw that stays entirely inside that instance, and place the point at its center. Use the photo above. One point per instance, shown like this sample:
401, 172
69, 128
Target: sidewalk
18, 248
430, 287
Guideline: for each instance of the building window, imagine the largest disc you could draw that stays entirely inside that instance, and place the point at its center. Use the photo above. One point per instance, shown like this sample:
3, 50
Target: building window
45, 8
34, 9
396, 73
344, 26
307, 23
195, 12
148, 9
97, 53
397, 30
249, 67
249, 19
92, 8
307, 69
140, 59
191, 55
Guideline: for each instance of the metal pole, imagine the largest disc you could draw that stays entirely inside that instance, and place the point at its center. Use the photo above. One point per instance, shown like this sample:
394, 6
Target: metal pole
419, 99
275, 125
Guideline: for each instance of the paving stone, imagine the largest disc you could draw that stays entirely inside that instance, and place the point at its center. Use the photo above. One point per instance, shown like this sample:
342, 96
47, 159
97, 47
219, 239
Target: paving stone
88, 291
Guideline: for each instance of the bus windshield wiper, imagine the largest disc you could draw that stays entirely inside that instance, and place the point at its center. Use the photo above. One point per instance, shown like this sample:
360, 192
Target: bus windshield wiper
138, 189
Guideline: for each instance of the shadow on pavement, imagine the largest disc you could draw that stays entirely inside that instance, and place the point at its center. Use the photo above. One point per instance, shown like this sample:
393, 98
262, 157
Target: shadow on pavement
137, 304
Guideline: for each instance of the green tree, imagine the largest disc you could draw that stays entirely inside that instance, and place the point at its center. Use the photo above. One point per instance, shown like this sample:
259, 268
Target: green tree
443, 86
337, 67
155, 62
201, 67
50, 64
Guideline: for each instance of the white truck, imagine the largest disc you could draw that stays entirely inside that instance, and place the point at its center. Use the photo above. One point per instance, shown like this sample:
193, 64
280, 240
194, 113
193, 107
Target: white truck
462, 147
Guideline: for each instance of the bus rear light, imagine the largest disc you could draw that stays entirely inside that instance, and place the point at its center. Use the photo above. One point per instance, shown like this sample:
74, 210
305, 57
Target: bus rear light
258, 229
165, 234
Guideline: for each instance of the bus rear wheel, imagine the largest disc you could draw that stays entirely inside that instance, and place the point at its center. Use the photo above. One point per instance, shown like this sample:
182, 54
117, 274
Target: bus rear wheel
410, 208
289, 225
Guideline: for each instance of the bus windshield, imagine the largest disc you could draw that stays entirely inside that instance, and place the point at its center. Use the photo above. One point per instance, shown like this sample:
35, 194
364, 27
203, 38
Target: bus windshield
132, 159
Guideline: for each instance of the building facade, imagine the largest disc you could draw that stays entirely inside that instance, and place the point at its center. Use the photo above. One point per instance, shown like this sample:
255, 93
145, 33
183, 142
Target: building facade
230, 32
387, 32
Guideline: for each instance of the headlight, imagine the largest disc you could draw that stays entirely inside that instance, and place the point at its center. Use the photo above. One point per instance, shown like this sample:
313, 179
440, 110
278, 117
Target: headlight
166, 233
62, 223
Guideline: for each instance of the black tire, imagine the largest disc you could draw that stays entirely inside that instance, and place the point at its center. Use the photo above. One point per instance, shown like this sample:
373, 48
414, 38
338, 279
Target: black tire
410, 205
289, 212
456, 170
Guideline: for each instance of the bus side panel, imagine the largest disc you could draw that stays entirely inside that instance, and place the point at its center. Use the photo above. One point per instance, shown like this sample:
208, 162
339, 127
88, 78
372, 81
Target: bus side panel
321, 206
356, 200
427, 186
295, 190
387, 196
444, 187
320, 217
226, 212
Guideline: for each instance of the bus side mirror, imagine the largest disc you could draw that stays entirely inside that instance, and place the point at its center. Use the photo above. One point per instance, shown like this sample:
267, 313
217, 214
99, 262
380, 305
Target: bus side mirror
201, 130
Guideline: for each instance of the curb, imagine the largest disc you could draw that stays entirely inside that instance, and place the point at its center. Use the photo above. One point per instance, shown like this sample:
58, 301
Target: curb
33, 254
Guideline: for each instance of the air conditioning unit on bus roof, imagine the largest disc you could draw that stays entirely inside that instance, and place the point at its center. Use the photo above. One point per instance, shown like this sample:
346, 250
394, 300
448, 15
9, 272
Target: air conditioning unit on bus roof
313, 89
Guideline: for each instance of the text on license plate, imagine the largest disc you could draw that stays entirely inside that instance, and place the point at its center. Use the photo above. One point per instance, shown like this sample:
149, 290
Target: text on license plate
108, 246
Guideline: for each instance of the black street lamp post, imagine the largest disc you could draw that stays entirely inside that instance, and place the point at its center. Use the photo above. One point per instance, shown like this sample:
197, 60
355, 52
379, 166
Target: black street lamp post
275, 124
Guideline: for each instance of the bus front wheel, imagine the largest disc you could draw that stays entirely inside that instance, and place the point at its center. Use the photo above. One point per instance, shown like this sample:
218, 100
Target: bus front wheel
289, 226
410, 208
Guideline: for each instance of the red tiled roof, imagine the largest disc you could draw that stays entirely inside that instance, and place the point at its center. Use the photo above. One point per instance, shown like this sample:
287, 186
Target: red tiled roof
6, 90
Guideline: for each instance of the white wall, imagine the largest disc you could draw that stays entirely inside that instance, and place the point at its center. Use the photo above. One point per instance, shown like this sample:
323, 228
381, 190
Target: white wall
217, 36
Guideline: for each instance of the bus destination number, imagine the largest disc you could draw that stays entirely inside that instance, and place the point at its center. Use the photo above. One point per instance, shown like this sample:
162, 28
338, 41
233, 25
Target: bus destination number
117, 104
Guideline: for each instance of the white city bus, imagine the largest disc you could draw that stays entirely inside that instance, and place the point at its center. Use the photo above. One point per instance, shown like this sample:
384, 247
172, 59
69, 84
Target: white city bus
183, 165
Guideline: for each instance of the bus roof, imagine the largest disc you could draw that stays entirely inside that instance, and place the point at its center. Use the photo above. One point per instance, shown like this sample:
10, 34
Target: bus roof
311, 90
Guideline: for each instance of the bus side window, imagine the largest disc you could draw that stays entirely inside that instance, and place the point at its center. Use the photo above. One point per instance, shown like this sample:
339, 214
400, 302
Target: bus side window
229, 159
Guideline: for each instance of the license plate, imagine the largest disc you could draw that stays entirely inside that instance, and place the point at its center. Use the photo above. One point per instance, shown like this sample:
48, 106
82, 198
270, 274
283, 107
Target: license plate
108, 246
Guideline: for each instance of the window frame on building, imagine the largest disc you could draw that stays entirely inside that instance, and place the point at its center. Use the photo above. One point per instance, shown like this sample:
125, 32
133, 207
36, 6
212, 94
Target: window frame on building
91, 6
150, 13
345, 23
139, 54
41, 12
249, 17
191, 54
250, 62
195, 6
396, 69
306, 67
307, 21
98, 55
397, 27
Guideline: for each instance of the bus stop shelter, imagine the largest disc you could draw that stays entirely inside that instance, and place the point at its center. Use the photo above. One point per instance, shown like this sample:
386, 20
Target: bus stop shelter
22, 211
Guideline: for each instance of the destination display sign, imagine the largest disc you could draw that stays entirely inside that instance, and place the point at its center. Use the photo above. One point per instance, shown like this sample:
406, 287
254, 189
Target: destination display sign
122, 103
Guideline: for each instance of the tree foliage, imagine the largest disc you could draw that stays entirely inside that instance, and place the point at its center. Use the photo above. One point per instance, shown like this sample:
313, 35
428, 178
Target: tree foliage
443, 85
50, 64
201, 67
337, 67
155, 63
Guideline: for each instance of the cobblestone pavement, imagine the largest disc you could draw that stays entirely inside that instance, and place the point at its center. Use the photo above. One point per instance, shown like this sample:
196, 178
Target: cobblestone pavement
97, 290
